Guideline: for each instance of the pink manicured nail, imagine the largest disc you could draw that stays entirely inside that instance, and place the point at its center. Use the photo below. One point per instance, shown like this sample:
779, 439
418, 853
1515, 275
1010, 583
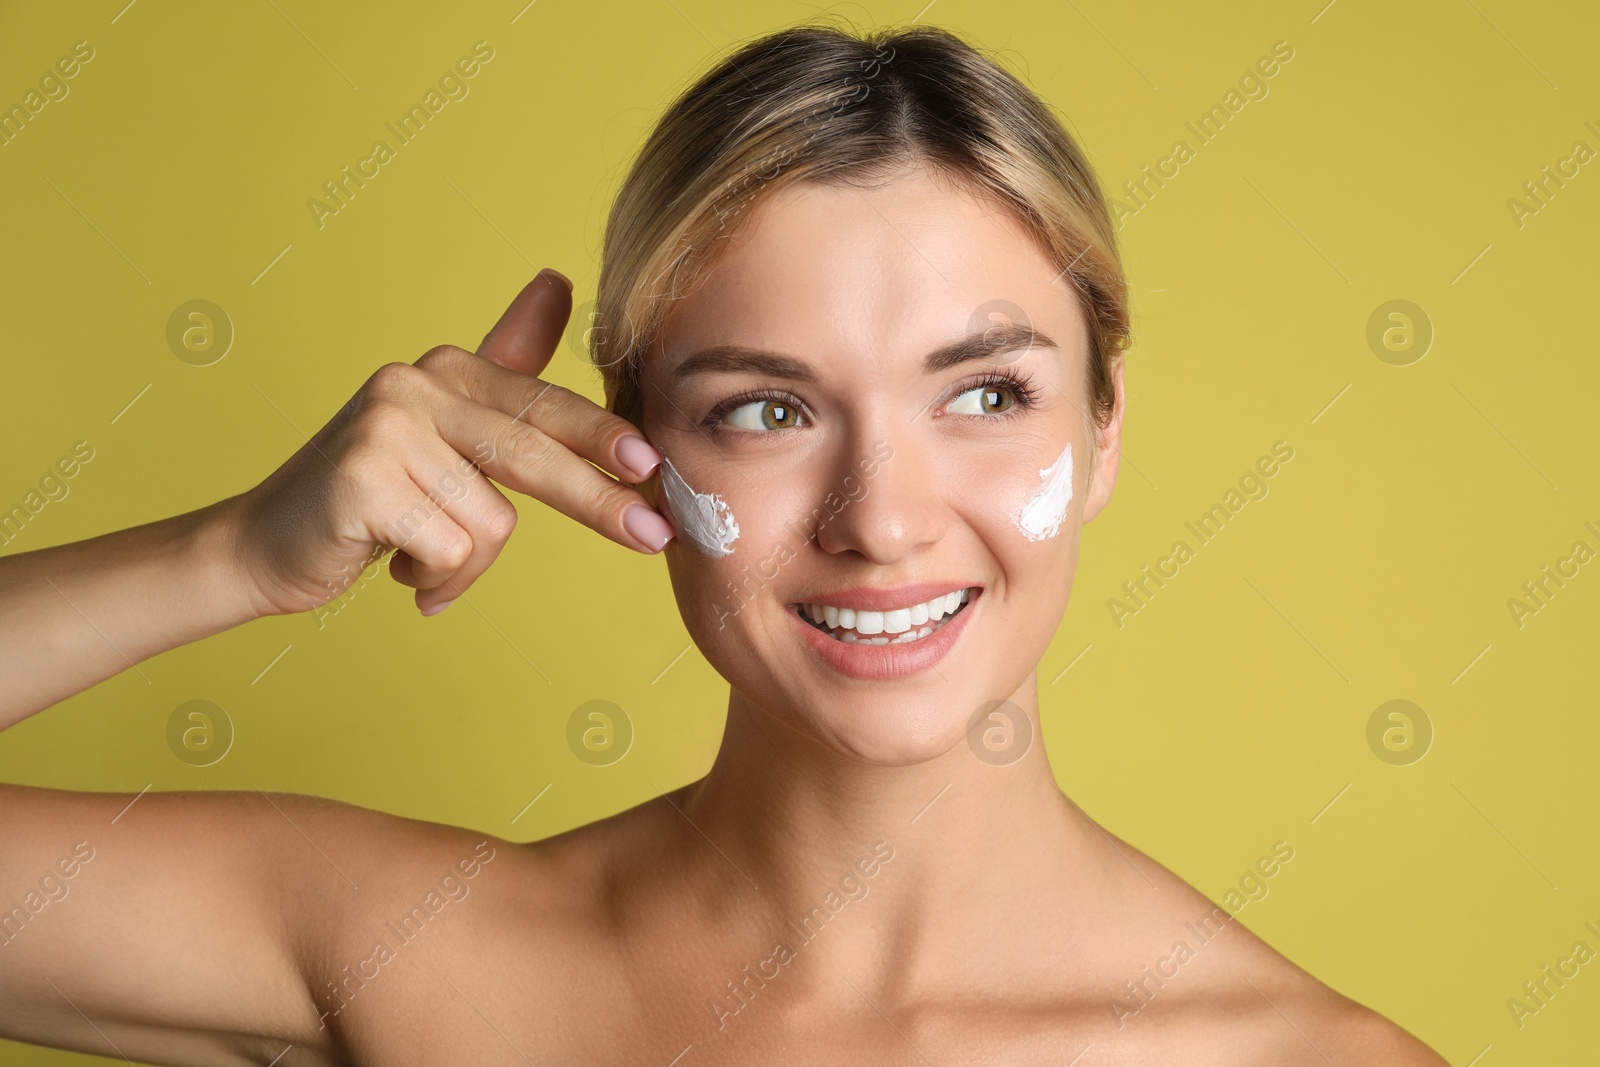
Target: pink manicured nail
637, 455
438, 607
648, 526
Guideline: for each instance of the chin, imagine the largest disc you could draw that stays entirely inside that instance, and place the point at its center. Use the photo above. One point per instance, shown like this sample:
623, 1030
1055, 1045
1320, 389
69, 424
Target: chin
889, 732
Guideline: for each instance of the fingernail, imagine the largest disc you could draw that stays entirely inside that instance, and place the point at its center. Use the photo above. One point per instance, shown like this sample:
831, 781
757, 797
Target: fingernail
441, 606
637, 455
647, 526
557, 274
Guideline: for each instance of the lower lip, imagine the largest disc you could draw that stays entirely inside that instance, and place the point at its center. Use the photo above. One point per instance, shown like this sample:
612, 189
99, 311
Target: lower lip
880, 662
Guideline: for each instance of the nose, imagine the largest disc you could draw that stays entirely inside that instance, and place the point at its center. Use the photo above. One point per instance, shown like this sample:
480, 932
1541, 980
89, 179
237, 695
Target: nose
891, 508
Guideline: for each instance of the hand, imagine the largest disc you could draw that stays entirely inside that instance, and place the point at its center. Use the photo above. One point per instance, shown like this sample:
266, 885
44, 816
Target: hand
402, 465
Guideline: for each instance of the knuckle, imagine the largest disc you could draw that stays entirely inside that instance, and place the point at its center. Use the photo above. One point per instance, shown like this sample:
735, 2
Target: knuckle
410, 524
378, 423
609, 498
373, 444
540, 394
605, 424
530, 450
600, 425
454, 554
603, 427
501, 520
391, 380
365, 459
441, 358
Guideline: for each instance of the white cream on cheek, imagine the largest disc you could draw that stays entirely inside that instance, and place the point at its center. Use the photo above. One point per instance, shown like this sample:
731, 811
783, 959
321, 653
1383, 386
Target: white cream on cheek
702, 517
1043, 514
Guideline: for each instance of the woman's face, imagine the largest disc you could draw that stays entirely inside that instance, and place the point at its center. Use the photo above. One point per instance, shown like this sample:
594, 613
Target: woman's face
846, 405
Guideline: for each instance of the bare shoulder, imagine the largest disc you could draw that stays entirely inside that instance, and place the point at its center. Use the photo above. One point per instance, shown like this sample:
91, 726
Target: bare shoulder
1329, 1026
1373, 1039
1221, 988
458, 937
1326, 1024
400, 876
410, 906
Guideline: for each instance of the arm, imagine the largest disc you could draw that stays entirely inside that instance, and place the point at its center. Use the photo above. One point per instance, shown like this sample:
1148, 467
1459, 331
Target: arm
76, 614
193, 928
174, 934
390, 469
196, 928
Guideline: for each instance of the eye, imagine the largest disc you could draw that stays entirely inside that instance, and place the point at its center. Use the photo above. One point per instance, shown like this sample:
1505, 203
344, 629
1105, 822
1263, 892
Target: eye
986, 399
763, 414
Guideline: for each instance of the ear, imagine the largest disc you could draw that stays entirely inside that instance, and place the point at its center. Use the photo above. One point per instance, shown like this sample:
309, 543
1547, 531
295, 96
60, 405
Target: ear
1108, 459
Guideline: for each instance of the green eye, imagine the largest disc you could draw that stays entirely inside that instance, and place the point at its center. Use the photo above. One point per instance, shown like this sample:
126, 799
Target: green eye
986, 400
763, 415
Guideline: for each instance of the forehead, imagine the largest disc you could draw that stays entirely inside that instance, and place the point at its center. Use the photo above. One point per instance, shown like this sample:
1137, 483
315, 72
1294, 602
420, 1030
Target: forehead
883, 275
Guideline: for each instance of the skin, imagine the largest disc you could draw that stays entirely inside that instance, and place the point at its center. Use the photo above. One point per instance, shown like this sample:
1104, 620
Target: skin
980, 916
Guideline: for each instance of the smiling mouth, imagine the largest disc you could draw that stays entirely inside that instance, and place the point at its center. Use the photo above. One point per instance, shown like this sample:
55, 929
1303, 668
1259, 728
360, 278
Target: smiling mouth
901, 627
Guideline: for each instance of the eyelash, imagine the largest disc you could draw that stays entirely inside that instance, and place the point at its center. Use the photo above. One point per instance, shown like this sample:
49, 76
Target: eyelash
1022, 388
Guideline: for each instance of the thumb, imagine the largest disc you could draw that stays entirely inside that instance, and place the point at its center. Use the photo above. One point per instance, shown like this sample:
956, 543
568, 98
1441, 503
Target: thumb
527, 334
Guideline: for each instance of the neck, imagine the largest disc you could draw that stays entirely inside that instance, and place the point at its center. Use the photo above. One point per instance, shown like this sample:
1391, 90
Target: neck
946, 841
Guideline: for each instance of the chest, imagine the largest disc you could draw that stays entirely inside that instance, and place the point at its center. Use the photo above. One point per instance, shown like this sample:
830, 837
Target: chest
697, 1016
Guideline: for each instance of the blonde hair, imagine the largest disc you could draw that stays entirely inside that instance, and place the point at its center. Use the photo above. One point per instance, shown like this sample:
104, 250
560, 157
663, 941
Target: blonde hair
816, 103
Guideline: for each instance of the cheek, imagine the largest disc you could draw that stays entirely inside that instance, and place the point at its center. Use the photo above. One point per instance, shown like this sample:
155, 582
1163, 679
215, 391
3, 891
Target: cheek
1023, 510
1043, 512
735, 537
739, 531
1020, 499
732, 523
703, 519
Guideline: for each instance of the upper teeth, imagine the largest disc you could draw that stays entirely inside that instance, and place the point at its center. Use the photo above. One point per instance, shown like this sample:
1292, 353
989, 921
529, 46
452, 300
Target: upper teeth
886, 622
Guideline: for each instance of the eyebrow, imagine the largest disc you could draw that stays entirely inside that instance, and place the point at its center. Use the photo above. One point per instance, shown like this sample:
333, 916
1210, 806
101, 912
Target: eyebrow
984, 345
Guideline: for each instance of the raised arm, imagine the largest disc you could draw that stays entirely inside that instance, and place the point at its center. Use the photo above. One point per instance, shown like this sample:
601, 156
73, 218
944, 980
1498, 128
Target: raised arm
401, 466
73, 615
194, 927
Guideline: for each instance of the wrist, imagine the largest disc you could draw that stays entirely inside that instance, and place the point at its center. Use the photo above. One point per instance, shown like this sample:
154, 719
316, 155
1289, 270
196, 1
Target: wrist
218, 574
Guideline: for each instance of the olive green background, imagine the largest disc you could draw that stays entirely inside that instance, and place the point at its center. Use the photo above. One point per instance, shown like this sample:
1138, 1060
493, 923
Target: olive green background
1231, 711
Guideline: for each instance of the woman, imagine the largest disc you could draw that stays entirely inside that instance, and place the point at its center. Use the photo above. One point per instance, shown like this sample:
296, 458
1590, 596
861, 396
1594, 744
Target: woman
860, 320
